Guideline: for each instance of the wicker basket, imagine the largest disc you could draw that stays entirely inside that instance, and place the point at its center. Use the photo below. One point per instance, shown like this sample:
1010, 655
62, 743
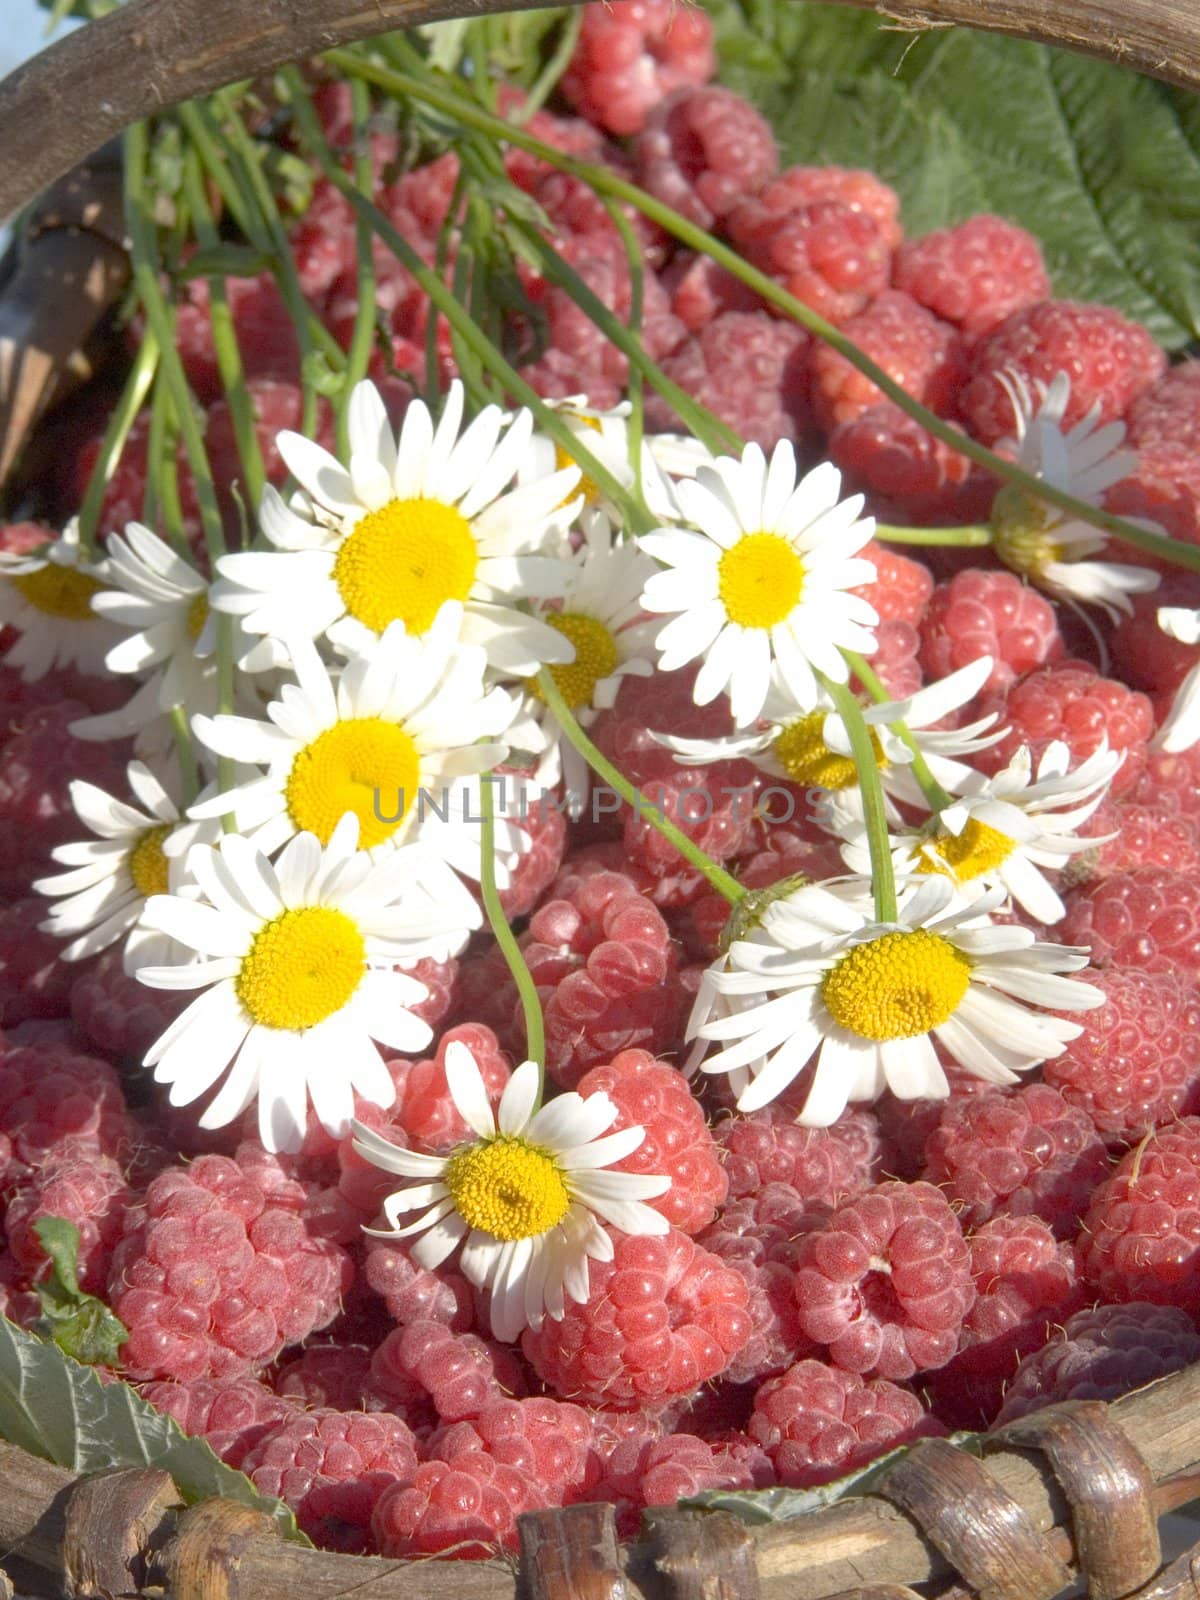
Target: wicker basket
1072, 1495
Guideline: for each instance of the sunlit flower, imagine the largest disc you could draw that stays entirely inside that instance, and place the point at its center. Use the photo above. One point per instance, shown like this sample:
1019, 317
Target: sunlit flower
524, 1201
47, 597
1181, 729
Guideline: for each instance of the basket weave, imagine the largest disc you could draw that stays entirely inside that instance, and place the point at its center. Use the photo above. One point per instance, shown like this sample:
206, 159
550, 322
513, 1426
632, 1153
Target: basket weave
1070, 1495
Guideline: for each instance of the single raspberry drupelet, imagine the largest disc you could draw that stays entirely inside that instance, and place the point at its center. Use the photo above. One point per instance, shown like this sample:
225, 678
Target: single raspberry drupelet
704, 150
979, 613
817, 1423
331, 1467
1102, 1354
631, 54
677, 1139
465, 1508
1135, 1065
1148, 918
885, 1282
548, 1441
115, 1013
921, 353
233, 1414
86, 1189
1141, 1235
749, 369
831, 257
974, 275
820, 1164
1108, 359
459, 1372
1020, 1152
661, 1319
216, 1272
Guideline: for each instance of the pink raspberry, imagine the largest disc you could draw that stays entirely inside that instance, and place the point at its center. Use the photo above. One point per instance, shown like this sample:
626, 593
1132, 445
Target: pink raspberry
668, 1470
1172, 780
902, 585
1168, 412
81, 1187
662, 1318
1022, 1151
572, 135
817, 1423
1072, 703
53, 1103
1134, 1066
1108, 359
547, 1441
322, 240
1148, 918
262, 325
1140, 1234
885, 1281
423, 1107
895, 660
277, 404
334, 1377
1163, 488
332, 1467
677, 1140
979, 613
216, 1273
826, 1164
860, 190
701, 290
1026, 1283
749, 369
233, 1414
1145, 656
463, 1508
974, 275
889, 453
459, 1372
631, 54
1102, 1354
34, 979
412, 1293
1145, 836
921, 353
831, 257
115, 1013
703, 150
537, 868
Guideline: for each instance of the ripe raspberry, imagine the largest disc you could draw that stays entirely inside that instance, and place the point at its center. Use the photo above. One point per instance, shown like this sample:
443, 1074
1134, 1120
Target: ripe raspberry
1145, 836
547, 1441
332, 1467
1144, 655
1102, 1354
885, 1281
677, 1140
817, 1423
1134, 1066
662, 1318
902, 586
34, 979
921, 353
889, 453
632, 53
895, 662
334, 1377
277, 404
749, 369
1168, 412
1164, 488
1148, 919
465, 1508
1171, 780
115, 1013
53, 1102
1071, 702
827, 1164
537, 868
233, 1414
412, 1293
423, 1107
1108, 359
981, 613
681, 1465
704, 150
860, 190
216, 1273
266, 335
1026, 1283
572, 135
1139, 1237
460, 1372
84, 1188
974, 275
701, 290
1021, 1151
831, 257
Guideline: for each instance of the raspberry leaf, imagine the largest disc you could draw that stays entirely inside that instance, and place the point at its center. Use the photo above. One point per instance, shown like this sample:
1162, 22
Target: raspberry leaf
78, 1323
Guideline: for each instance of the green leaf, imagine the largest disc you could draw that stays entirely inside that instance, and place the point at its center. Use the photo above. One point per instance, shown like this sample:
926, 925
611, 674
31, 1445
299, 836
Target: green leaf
1102, 165
79, 1324
60, 1411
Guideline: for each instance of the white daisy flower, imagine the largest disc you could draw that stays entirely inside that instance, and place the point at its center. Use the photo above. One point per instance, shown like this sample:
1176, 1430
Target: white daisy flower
297, 961
47, 597
1011, 828
411, 524
398, 739
812, 748
1041, 541
133, 856
1181, 729
525, 1199
766, 579
868, 999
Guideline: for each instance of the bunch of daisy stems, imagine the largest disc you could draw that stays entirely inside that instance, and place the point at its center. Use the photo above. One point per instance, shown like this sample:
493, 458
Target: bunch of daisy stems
319, 717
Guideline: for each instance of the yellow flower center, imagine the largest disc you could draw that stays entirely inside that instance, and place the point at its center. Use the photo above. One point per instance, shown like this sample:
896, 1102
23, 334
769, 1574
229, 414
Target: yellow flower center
302, 967
147, 864
507, 1188
595, 657
896, 986
403, 562
364, 765
801, 751
969, 854
59, 591
1019, 532
760, 580
197, 615
586, 486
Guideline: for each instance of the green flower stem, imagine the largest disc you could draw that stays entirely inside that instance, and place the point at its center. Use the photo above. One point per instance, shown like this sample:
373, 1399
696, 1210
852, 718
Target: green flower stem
133, 398
973, 536
161, 502
363, 337
723, 882
543, 85
606, 182
229, 357
531, 1005
883, 879
936, 797
185, 750
635, 386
